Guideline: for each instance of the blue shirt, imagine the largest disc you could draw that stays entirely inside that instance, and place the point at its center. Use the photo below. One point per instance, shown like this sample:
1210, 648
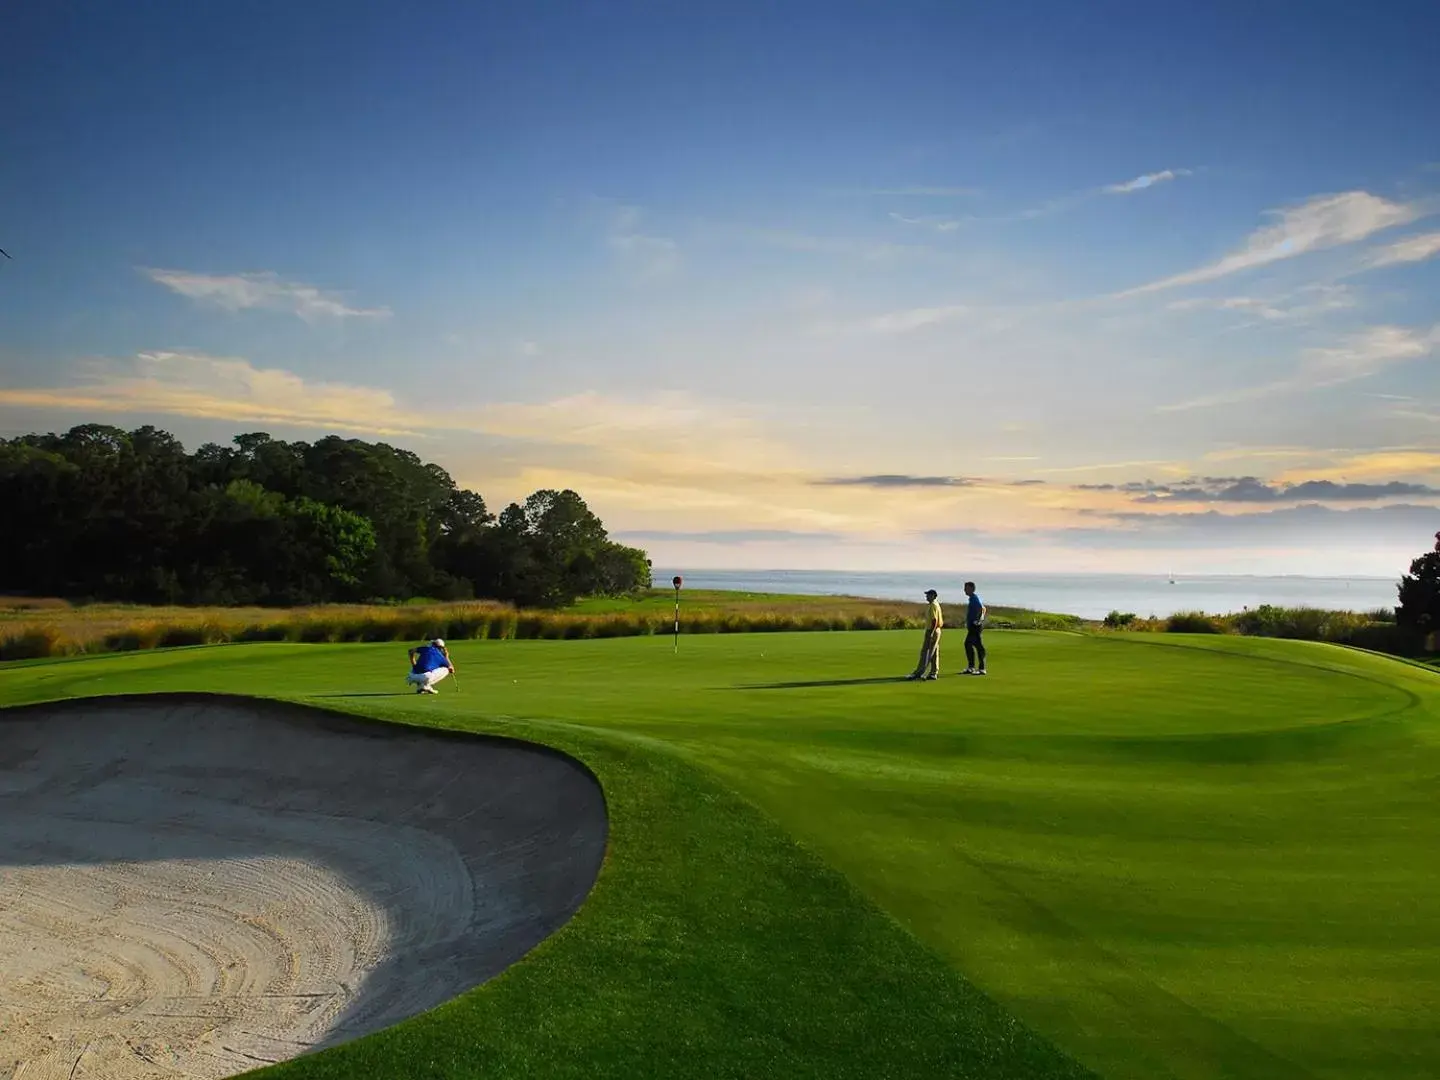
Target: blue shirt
972, 613
429, 658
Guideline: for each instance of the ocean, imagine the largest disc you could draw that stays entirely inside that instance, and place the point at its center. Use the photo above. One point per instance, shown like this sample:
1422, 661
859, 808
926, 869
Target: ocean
1090, 596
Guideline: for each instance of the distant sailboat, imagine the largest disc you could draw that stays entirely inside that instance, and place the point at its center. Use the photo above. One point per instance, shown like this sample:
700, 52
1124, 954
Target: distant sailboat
1172, 577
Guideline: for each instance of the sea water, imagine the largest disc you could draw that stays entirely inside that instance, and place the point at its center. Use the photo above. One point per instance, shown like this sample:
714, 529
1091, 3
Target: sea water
1090, 596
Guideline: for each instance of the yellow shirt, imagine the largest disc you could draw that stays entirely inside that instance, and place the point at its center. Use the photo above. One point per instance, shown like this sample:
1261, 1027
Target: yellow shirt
936, 619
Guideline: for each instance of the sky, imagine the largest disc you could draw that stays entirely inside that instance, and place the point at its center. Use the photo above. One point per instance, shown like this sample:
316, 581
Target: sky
1022, 287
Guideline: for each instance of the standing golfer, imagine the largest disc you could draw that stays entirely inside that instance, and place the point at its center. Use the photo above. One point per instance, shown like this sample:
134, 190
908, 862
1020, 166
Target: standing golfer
428, 665
974, 624
929, 666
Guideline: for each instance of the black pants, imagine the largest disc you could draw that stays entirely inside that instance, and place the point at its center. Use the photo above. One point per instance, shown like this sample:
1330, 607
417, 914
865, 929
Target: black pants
974, 647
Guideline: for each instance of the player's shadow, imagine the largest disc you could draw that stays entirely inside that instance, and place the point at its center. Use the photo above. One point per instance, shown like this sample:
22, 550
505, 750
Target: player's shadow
823, 682
373, 693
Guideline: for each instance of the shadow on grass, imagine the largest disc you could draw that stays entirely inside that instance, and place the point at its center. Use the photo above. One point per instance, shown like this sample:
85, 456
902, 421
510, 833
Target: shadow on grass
823, 682
372, 693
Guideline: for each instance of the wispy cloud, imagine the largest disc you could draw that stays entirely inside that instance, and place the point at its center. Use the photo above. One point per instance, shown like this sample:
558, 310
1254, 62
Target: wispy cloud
265, 290
1251, 490
1412, 249
941, 225
1292, 525
899, 322
1313, 300
730, 536
897, 480
222, 388
1323, 222
1363, 355
649, 255
1140, 183
1075, 198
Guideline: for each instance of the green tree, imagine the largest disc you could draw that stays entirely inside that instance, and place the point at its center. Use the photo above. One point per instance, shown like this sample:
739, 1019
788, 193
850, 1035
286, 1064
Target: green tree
129, 515
1419, 590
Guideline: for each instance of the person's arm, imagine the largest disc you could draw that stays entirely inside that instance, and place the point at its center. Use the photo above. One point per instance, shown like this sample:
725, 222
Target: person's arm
448, 662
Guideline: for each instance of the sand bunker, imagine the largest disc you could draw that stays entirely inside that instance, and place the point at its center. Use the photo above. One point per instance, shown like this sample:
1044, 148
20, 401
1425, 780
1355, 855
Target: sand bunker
196, 887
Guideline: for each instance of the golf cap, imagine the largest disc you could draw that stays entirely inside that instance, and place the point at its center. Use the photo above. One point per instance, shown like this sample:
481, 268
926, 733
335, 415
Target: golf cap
438, 643
930, 594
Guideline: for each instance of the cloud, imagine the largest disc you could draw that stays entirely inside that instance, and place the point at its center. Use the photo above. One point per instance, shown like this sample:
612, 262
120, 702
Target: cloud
899, 322
1250, 490
941, 225
1281, 308
1322, 222
265, 291
650, 256
1076, 198
1377, 464
1410, 250
897, 480
1298, 527
223, 388
1140, 183
730, 536
1365, 354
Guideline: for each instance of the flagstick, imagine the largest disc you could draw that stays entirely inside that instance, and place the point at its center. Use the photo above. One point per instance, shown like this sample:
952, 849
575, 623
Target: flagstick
676, 582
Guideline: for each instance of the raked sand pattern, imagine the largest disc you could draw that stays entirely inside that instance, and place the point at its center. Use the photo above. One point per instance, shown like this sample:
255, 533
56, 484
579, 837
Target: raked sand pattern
197, 888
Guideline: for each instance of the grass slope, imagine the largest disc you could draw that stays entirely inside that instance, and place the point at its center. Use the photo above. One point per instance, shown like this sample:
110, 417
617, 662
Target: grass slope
1179, 857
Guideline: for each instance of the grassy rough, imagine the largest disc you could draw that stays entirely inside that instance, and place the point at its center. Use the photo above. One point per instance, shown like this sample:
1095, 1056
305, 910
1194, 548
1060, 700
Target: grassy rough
1169, 855
35, 629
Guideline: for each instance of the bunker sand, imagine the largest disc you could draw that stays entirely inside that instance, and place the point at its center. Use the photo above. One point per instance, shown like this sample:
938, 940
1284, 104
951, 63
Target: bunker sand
195, 886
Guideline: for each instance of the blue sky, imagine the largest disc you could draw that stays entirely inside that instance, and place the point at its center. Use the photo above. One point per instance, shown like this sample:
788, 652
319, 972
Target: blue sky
1033, 286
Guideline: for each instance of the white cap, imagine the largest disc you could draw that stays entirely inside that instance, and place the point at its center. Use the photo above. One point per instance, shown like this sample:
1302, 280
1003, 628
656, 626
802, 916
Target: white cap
438, 643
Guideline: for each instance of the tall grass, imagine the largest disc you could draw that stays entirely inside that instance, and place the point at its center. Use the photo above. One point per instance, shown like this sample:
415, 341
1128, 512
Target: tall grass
43, 629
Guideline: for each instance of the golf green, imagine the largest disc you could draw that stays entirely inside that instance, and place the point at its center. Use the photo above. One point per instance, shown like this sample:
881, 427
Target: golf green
1144, 856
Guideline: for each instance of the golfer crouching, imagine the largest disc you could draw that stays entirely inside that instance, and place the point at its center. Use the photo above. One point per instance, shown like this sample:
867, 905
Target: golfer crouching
428, 665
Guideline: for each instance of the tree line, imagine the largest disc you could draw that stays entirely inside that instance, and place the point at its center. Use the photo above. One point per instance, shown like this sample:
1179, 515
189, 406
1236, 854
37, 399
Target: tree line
106, 514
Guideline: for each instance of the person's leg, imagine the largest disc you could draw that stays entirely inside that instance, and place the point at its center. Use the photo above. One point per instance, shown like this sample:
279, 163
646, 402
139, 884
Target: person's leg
433, 677
970, 649
980, 648
932, 668
927, 650
920, 663
416, 680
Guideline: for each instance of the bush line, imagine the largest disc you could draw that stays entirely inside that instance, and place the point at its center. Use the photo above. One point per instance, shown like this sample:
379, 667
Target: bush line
1376, 630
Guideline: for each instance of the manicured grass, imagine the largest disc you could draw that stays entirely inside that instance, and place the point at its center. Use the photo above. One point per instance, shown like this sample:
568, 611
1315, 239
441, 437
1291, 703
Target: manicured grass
1169, 856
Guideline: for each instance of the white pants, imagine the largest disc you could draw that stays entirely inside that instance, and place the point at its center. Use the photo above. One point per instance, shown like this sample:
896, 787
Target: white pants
427, 680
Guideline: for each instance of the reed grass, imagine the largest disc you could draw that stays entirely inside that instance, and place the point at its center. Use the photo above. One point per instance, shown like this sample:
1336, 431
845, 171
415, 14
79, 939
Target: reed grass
34, 629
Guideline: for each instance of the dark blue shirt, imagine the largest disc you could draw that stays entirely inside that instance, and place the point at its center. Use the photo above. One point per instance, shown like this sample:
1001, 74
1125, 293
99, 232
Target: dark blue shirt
429, 658
972, 613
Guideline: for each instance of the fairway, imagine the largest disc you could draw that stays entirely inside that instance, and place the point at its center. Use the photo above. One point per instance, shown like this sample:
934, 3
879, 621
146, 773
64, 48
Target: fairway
1163, 856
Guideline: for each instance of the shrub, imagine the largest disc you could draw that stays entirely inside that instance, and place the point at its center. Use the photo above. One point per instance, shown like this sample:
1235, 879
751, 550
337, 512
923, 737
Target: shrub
1116, 619
33, 644
174, 636
1193, 622
261, 632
